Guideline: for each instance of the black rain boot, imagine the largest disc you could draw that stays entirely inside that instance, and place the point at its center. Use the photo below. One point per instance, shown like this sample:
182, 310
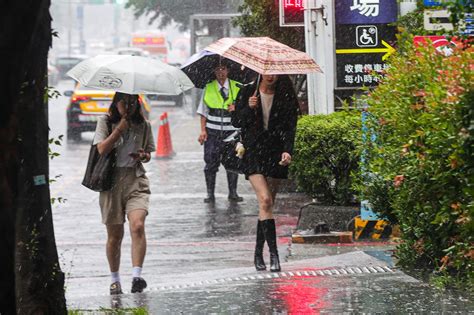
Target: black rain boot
270, 236
258, 257
210, 185
232, 179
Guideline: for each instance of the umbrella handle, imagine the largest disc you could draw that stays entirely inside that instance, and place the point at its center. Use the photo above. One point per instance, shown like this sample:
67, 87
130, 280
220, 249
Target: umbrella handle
258, 83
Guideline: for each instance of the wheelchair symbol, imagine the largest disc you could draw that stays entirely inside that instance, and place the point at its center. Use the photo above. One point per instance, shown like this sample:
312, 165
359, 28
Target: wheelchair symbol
366, 36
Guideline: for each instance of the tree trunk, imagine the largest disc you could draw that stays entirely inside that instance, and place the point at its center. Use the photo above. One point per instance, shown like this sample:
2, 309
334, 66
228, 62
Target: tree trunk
32, 282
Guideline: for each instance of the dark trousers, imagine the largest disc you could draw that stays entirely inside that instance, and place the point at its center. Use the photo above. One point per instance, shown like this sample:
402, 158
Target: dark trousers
213, 150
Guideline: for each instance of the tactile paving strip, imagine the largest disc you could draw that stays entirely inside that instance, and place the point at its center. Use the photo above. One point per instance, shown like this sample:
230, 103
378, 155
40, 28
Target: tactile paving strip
287, 274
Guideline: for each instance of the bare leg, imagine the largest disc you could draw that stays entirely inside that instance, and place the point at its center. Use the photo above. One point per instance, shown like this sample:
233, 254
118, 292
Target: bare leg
264, 196
266, 190
136, 219
113, 246
274, 185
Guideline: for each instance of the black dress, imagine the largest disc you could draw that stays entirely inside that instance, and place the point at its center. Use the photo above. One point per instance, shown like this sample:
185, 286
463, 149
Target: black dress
263, 148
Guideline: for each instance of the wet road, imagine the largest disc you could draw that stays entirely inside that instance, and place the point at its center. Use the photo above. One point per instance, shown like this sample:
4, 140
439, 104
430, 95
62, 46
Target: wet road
184, 234
300, 295
199, 257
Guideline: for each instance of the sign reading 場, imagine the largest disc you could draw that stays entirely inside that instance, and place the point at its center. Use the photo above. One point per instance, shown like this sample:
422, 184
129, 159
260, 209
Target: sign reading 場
364, 40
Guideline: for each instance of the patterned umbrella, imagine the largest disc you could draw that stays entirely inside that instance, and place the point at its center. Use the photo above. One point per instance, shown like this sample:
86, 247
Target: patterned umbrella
264, 55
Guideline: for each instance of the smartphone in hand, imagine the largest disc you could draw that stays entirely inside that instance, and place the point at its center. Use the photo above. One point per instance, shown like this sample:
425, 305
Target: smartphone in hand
134, 155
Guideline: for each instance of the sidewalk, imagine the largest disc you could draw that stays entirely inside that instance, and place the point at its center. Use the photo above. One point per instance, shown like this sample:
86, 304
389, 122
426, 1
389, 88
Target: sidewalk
200, 257
184, 234
186, 288
351, 283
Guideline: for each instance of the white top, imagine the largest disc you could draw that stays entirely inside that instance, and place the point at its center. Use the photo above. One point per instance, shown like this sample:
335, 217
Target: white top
130, 141
267, 101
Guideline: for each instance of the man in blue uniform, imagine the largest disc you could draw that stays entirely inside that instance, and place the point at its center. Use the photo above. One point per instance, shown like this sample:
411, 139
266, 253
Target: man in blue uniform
216, 104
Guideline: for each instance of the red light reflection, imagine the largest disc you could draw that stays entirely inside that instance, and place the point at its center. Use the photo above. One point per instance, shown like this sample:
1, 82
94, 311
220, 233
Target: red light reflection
300, 294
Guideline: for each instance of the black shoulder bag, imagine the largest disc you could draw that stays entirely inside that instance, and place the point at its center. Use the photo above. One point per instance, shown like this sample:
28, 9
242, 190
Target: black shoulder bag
230, 159
99, 171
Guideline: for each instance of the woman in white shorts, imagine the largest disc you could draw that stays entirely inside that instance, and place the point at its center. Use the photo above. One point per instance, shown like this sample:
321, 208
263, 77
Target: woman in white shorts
126, 130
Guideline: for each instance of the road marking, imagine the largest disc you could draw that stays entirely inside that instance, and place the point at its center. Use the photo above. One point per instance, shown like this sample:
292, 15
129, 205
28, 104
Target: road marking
372, 269
341, 272
158, 243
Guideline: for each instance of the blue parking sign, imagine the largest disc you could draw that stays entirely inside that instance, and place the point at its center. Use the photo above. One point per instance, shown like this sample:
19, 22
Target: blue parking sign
431, 3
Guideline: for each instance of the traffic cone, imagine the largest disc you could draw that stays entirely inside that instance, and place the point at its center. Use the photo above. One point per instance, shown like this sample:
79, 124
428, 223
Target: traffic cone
168, 133
163, 144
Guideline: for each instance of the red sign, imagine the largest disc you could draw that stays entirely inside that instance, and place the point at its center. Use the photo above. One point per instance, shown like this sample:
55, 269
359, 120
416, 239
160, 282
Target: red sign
441, 43
293, 4
291, 13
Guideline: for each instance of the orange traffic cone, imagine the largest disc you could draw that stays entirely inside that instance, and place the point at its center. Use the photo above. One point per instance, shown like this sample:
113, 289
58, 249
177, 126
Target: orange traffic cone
163, 144
168, 133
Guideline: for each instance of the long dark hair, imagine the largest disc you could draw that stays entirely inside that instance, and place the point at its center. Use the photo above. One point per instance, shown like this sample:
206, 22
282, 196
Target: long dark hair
283, 86
137, 116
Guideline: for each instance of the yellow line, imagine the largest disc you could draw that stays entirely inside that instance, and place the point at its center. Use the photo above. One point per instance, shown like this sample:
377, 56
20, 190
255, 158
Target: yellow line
361, 50
388, 50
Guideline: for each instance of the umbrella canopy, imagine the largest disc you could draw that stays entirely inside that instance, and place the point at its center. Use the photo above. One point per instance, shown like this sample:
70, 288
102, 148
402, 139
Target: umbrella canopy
131, 75
200, 68
264, 55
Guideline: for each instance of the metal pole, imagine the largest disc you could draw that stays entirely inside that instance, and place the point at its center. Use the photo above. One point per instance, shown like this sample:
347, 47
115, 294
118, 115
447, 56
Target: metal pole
194, 92
319, 39
327, 45
193, 34
80, 19
310, 43
116, 40
69, 30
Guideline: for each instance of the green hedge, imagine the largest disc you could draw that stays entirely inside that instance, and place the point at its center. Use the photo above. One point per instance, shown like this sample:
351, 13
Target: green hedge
422, 163
325, 156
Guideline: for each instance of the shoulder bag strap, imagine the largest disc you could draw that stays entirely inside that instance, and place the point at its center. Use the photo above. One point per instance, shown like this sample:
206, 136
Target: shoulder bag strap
109, 125
145, 134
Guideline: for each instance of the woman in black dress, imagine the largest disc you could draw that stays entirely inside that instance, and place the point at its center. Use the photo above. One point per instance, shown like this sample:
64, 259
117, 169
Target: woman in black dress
267, 117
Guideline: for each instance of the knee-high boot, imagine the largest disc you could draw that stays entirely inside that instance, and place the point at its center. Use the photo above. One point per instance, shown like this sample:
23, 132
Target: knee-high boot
270, 236
258, 257
232, 179
210, 185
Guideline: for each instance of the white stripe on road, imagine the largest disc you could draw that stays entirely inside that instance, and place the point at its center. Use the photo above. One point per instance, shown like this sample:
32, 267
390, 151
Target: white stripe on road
341, 272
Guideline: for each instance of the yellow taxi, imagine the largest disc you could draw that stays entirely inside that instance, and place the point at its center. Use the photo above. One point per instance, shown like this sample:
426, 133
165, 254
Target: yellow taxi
86, 105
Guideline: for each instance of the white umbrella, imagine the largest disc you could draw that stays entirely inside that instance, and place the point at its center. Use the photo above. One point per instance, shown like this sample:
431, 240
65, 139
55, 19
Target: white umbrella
131, 75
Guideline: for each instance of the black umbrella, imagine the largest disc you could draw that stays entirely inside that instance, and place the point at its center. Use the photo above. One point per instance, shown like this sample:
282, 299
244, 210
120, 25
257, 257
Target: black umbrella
200, 69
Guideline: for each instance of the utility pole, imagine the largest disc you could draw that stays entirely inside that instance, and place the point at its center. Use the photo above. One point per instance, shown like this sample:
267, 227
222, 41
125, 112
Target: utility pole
116, 39
69, 29
319, 39
80, 19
